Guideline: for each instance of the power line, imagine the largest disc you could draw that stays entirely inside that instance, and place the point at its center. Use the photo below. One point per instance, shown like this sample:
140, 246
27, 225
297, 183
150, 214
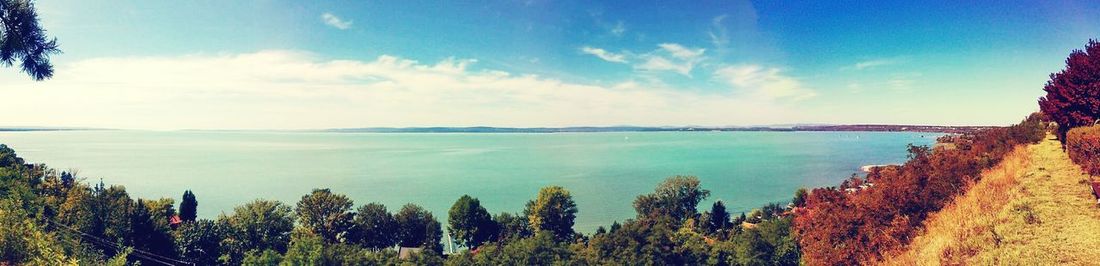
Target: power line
119, 247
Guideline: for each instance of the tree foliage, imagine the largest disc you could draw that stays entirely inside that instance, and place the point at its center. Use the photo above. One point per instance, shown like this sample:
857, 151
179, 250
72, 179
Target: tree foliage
189, 207
469, 223
676, 197
199, 242
256, 226
552, 210
718, 219
326, 214
418, 228
376, 228
1073, 94
23, 41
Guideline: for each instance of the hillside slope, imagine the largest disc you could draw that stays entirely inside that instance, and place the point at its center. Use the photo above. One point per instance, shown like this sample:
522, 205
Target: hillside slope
1035, 208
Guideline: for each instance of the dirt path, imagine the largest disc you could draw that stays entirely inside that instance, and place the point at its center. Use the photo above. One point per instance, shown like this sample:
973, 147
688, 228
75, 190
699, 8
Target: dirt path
1034, 208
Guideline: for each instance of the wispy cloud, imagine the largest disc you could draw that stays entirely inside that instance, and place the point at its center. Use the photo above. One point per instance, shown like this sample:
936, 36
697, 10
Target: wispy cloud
604, 54
719, 36
295, 89
672, 57
764, 82
335, 22
619, 29
868, 64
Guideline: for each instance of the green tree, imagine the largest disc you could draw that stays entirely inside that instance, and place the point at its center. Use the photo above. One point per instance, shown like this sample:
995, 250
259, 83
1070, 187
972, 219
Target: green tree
511, 226
674, 198
264, 258
23, 41
8, 158
542, 249
199, 242
554, 211
718, 219
24, 242
326, 214
469, 223
306, 248
150, 230
376, 228
257, 225
112, 208
799, 197
189, 207
418, 228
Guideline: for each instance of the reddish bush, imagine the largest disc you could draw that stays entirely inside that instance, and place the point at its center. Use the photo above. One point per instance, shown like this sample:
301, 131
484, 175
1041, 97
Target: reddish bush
1083, 146
864, 217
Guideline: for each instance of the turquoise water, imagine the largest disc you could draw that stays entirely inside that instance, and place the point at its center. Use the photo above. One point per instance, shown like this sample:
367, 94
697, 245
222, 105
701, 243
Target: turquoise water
604, 171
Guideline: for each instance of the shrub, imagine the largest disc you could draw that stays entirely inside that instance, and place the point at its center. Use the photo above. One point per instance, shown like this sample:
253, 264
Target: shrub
1083, 146
864, 217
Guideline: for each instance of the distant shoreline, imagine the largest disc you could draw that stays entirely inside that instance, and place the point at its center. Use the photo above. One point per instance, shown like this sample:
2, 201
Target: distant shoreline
831, 128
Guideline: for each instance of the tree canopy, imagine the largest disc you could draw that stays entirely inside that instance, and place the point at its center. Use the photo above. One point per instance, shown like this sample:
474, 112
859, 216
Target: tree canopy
375, 227
418, 228
326, 214
676, 198
1073, 94
553, 210
469, 223
23, 42
189, 207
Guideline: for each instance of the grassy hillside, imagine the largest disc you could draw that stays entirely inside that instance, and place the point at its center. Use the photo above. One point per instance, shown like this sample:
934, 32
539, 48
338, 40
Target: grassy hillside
1033, 208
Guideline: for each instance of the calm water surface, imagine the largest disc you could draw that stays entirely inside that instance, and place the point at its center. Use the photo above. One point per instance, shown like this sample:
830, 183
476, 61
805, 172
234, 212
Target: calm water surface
604, 171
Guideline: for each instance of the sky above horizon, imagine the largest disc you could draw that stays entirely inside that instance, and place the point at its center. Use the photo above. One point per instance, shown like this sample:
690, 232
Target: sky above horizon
336, 64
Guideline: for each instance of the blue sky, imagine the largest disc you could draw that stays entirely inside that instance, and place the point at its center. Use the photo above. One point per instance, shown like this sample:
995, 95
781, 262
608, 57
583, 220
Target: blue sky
307, 64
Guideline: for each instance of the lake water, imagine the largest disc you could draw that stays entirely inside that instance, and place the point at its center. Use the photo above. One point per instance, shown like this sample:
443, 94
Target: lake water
604, 171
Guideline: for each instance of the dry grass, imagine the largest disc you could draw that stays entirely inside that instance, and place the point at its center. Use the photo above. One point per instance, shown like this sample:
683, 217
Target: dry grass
1032, 209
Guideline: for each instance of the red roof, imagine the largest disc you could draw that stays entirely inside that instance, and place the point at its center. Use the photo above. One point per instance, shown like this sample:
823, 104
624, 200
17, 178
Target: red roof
174, 220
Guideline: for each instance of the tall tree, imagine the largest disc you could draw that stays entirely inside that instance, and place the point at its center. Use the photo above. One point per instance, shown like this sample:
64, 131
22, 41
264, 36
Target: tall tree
469, 223
553, 210
23, 41
418, 228
1071, 94
188, 207
674, 198
326, 214
718, 219
376, 228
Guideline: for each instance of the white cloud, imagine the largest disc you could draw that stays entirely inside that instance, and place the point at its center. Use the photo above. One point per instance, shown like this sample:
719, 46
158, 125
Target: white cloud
681, 52
672, 57
335, 22
658, 63
604, 54
764, 82
294, 89
873, 63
